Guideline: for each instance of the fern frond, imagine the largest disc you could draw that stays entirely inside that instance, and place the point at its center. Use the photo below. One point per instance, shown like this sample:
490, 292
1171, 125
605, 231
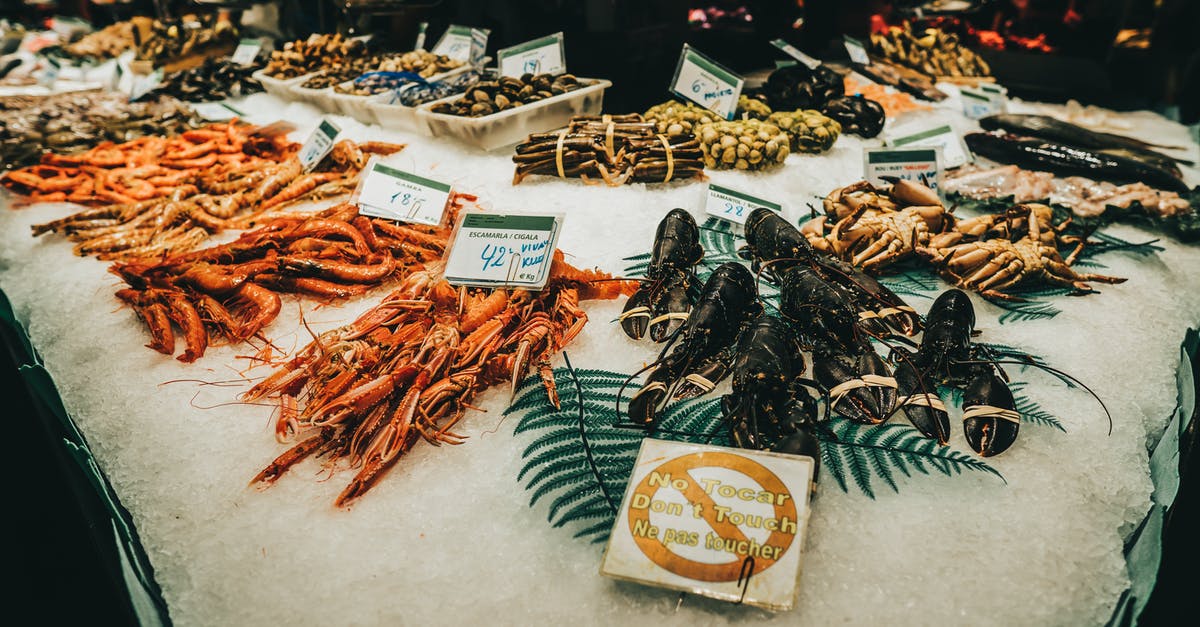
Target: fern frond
1030, 411
601, 528
914, 282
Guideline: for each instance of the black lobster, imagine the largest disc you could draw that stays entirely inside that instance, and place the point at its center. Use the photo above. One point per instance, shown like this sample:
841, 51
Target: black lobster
700, 352
662, 302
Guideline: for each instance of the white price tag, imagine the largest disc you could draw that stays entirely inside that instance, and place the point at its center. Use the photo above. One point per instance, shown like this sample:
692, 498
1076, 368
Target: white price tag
998, 96
479, 39
246, 51
976, 104
719, 522
540, 56
455, 43
421, 28
143, 84
216, 111
921, 165
318, 144
732, 205
706, 83
954, 152
795, 53
856, 50
494, 249
397, 195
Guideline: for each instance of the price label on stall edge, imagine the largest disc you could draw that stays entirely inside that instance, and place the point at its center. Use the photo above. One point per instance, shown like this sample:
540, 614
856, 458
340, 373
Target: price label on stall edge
421, 28
706, 83
719, 522
318, 144
539, 56
732, 205
247, 51
998, 96
795, 53
216, 111
496, 249
977, 103
455, 43
397, 195
922, 165
954, 152
856, 50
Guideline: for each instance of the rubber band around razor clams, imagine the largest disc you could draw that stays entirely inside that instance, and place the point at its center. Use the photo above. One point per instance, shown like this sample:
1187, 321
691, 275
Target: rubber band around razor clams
558, 153
670, 157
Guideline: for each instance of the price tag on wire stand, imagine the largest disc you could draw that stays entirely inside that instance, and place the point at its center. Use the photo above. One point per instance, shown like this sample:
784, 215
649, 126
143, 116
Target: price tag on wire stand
247, 51
977, 103
954, 151
718, 522
455, 43
922, 165
479, 39
706, 83
386, 192
856, 50
998, 96
492, 250
732, 205
544, 55
216, 111
795, 53
421, 28
318, 144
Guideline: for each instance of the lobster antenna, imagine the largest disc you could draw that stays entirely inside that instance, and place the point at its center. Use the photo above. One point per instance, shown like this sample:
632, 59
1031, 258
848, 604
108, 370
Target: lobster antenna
1057, 372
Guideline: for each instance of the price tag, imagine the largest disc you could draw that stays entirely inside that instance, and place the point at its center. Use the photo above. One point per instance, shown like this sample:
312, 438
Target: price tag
719, 522
216, 111
540, 56
795, 53
922, 165
455, 43
479, 39
494, 249
246, 51
143, 84
732, 205
386, 192
856, 50
421, 28
976, 103
318, 144
706, 83
954, 152
998, 95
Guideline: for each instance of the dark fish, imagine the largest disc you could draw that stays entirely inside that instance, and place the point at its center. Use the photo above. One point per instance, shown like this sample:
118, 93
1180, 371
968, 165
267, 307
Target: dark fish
1040, 154
1046, 127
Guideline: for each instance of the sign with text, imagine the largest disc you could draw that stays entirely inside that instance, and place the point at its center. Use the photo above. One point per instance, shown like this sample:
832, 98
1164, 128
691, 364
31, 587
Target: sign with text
977, 103
922, 165
389, 193
795, 53
954, 151
719, 522
246, 51
732, 205
856, 50
318, 144
461, 43
494, 250
216, 111
420, 43
539, 56
706, 83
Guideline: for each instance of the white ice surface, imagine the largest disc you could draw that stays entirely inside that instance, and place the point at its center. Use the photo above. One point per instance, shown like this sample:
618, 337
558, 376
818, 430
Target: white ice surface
447, 538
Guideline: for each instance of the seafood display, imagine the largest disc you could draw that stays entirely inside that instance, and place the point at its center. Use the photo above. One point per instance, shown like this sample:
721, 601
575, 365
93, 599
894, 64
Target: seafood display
232, 195
74, 121
1104, 165
894, 102
185, 42
1087, 199
362, 395
872, 228
415, 94
823, 91
906, 80
230, 292
108, 42
616, 149
808, 130
661, 303
318, 52
933, 52
743, 145
419, 62
213, 80
490, 96
673, 117
409, 66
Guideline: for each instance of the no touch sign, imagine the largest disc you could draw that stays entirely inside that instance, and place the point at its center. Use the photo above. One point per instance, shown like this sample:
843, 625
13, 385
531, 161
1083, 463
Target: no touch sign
718, 522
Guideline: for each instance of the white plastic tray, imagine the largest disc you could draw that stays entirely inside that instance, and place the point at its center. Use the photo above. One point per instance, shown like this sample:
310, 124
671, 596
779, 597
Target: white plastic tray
395, 116
320, 98
506, 128
280, 87
357, 107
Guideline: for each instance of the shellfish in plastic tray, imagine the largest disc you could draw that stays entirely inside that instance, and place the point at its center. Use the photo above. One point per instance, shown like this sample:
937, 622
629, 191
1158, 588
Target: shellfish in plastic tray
511, 126
281, 87
362, 107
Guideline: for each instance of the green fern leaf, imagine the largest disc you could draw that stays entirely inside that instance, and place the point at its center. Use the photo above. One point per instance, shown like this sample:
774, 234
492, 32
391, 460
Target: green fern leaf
583, 510
1030, 411
550, 486
832, 463
601, 528
570, 497
912, 282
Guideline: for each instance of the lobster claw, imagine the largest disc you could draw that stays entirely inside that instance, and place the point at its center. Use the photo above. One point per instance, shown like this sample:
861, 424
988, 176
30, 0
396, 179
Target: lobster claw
703, 378
635, 317
802, 442
921, 404
874, 371
643, 406
990, 418
670, 308
850, 390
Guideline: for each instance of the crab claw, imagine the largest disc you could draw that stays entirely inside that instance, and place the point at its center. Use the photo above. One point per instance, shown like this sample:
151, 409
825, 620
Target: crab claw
635, 318
921, 404
990, 419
